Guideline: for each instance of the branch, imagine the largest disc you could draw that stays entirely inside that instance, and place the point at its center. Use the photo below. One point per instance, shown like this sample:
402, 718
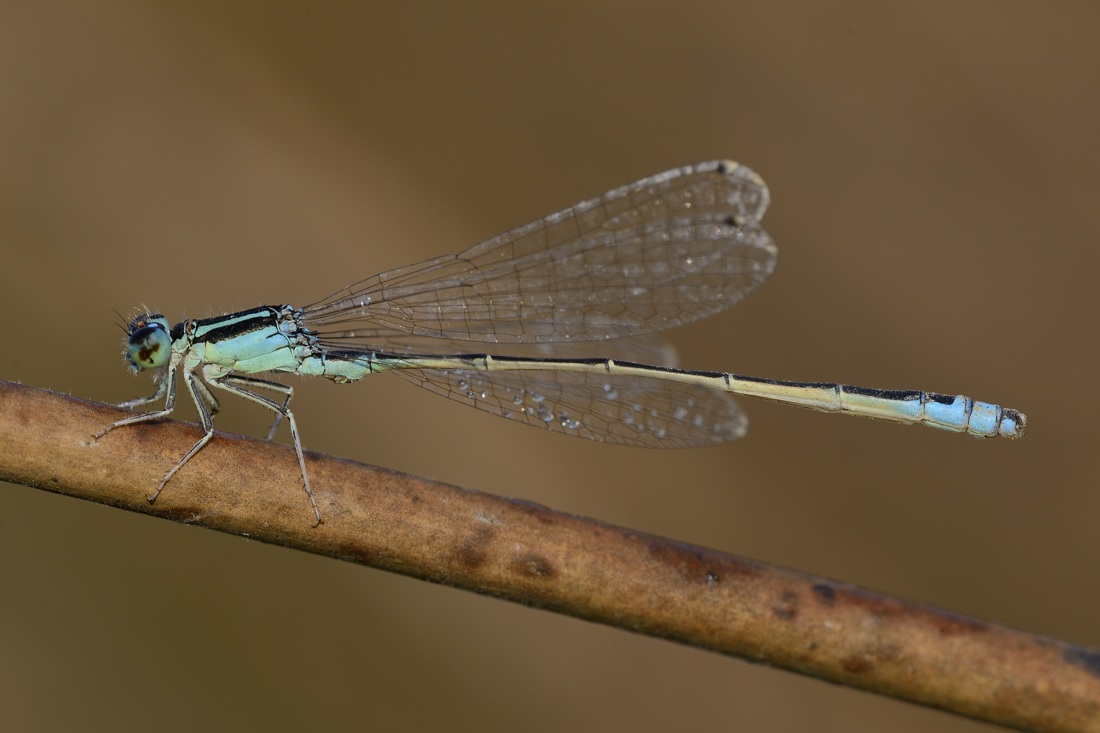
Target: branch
528, 554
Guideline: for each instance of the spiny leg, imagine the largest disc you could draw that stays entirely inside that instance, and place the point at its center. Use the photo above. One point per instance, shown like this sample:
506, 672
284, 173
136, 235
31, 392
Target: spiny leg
207, 395
167, 385
230, 383
197, 390
284, 389
161, 389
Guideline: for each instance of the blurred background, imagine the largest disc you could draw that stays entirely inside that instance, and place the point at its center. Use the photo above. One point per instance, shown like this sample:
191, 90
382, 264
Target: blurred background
934, 174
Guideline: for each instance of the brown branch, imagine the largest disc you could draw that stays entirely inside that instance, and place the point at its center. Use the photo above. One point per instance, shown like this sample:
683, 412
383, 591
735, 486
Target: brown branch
526, 553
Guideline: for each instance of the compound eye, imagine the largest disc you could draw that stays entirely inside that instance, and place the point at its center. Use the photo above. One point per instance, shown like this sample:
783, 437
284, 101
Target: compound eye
149, 345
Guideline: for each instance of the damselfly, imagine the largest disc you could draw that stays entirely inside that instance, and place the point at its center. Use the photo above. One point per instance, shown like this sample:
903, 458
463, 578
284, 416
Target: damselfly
547, 324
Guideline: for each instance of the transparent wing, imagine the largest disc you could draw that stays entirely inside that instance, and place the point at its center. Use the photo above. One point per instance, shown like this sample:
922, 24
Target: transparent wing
645, 349
657, 253
626, 410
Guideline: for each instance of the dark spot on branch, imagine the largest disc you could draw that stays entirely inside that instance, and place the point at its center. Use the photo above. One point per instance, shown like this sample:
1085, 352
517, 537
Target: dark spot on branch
473, 551
857, 665
949, 624
533, 565
1086, 658
698, 564
825, 593
787, 608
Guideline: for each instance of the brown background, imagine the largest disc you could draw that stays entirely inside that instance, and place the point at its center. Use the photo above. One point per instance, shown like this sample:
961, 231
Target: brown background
934, 173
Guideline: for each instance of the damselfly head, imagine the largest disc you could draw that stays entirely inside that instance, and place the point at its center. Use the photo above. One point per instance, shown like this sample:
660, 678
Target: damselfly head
148, 342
